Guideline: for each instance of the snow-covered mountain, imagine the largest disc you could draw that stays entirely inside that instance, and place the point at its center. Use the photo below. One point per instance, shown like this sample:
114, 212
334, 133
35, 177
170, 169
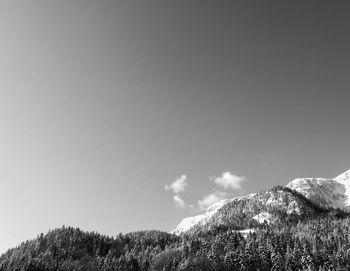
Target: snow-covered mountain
247, 212
200, 220
325, 192
344, 179
189, 222
275, 204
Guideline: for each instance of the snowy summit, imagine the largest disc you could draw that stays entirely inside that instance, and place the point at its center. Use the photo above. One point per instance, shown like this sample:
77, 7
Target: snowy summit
324, 192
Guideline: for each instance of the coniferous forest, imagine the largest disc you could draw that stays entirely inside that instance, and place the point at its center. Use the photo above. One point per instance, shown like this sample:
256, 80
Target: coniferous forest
320, 243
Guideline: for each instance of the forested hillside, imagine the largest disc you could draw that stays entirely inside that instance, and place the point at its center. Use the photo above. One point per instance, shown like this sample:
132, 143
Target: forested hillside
313, 244
277, 205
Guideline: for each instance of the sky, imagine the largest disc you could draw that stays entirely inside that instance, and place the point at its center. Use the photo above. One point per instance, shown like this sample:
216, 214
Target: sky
119, 116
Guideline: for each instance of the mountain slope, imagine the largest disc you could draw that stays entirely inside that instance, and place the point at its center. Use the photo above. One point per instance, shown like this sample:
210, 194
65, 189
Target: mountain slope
323, 191
319, 193
189, 222
268, 248
279, 204
344, 179
326, 192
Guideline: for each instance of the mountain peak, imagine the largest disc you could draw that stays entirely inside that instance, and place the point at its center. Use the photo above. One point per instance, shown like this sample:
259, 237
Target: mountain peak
334, 193
345, 176
247, 212
325, 192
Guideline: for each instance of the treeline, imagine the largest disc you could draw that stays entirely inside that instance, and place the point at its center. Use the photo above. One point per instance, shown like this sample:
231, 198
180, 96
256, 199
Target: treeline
316, 244
70, 248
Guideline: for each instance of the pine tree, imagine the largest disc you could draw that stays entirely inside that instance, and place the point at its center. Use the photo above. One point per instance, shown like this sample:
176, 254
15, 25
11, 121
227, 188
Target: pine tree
277, 261
290, 261
264, 256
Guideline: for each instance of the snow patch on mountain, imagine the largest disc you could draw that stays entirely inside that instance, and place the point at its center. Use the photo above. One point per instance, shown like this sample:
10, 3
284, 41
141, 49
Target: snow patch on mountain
325, 192
246, 232
344, 179
262, 217
189, 222
277, 200
321, 191
345, 176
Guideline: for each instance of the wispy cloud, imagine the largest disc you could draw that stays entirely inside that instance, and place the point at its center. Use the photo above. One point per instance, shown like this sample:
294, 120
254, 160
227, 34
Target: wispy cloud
230, 181
179, 202
178, 185
227, 181
210, 199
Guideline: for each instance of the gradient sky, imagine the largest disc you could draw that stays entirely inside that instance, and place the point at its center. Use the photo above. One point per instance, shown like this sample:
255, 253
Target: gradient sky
104, 103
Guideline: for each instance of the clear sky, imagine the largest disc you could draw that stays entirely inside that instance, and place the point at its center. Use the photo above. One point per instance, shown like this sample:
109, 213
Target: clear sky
103, 104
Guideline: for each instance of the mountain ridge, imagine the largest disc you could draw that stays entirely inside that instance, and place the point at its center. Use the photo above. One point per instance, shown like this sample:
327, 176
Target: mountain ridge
327, 193
275, 229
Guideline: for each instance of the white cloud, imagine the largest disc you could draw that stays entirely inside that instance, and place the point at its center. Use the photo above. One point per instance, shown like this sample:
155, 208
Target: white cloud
210, 200
230, 181
178, 185
179, 202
